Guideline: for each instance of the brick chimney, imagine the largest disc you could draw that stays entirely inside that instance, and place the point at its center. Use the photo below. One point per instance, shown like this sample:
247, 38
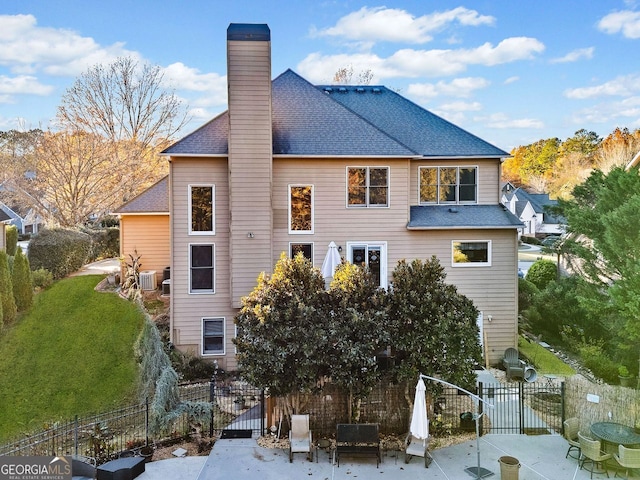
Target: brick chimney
250, 155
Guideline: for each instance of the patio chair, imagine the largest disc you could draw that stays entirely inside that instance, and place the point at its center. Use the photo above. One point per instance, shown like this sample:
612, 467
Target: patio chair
571, 428
628, 458
512, 364
417, 447
592, 452
300, 437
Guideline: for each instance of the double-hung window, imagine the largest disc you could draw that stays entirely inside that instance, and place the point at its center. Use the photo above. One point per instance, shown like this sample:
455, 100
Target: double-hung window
305, 248
471, 253
448, 185
213, 336
367, 186
201, 210
201, 268
300, 208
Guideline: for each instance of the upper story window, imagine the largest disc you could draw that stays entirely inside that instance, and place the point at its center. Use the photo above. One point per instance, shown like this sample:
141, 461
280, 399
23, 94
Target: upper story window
201, 268
367, 186
448, 184
201, 210
471, 253
300, 208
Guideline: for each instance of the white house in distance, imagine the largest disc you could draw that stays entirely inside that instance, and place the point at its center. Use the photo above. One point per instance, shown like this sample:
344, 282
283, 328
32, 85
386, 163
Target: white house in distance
291, 167
530, 210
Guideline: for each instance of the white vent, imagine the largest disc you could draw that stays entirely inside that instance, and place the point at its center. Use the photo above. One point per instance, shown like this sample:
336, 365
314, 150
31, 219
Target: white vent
148, 280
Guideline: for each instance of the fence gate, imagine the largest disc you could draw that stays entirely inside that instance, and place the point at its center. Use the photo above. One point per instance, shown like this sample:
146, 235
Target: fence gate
524, 408
238, 410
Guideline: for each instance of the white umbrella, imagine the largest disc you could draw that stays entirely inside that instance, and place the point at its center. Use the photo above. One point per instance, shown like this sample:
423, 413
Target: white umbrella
419, 422
331, 261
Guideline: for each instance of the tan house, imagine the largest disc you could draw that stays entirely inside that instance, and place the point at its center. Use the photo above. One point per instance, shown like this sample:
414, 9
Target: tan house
144, 228
293, 166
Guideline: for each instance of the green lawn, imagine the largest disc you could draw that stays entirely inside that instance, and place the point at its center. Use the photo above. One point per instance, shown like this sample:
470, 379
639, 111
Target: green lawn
72, 353
543, 360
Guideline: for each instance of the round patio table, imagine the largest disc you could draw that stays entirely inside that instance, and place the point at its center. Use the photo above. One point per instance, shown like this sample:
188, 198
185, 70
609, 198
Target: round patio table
615, 434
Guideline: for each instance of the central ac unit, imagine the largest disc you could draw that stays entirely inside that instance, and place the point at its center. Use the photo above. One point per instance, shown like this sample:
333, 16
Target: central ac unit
148, 280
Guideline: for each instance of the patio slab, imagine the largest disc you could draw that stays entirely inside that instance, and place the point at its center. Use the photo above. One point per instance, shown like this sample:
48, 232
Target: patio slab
541, 458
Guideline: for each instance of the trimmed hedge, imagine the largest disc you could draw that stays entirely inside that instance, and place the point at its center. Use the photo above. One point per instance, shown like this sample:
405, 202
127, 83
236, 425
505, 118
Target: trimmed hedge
105, 242
60, 251
12, 239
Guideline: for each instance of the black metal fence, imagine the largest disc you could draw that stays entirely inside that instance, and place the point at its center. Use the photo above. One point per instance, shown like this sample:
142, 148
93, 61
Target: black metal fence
105, 436
525, 408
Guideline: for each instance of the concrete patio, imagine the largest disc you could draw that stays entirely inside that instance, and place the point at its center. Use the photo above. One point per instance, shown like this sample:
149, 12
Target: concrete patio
541, 457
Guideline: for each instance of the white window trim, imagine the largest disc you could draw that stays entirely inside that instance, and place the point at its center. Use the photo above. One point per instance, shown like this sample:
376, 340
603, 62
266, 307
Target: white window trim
202, 292
301, 232
313, 249
224, 337
367, 205
471, 264
457, 201
213, 209
384, 281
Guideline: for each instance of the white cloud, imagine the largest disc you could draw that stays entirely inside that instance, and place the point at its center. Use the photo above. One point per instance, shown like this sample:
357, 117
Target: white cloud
620, 86
416, 63
459, 87
22, 84
626, 21
511, 80
626, 111
502, 121
575, 55
26, 48
395, 25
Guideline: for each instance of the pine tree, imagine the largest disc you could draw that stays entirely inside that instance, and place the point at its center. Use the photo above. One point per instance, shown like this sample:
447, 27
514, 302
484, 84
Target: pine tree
6, 290
22, 281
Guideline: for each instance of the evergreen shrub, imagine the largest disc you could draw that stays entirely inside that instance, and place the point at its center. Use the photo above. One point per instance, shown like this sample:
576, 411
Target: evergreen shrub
61, 251
22, 281
11, 236
41, 278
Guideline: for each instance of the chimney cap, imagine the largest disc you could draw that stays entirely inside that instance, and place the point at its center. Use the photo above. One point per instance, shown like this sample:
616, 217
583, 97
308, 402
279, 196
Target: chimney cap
256, 32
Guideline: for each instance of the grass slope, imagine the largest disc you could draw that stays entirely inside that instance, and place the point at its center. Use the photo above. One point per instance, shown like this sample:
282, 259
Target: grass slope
71, 354
543, 360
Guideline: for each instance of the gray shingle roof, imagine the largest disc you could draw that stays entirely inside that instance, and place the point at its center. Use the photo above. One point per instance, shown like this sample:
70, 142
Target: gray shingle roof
154, 199
461, 216
310, 120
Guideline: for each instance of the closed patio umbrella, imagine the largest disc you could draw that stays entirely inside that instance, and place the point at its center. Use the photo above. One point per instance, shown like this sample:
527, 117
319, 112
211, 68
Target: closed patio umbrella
419, 422
331, 261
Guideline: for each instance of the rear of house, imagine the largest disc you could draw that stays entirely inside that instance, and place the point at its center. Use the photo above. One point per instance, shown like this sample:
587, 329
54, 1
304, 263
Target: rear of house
292, 167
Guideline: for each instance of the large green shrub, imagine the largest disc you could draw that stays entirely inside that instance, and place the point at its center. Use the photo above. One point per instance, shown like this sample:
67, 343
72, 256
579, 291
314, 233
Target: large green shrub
6, 291
60, 251
105, 242
526, 293
12, 239
22, 281
541, 273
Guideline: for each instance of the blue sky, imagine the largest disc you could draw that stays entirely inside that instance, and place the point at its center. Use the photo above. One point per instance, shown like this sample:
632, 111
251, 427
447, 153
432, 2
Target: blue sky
511, 72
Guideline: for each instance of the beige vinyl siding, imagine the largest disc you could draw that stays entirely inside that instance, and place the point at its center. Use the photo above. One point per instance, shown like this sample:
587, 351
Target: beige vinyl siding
493, 289
488, 177
3, 236
187, 310
149, 236
249, 79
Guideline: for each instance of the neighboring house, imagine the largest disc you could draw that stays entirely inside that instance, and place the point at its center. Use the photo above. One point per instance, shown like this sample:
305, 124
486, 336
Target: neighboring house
530, 208
144, 228
292, 167
4, 221
26, 219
